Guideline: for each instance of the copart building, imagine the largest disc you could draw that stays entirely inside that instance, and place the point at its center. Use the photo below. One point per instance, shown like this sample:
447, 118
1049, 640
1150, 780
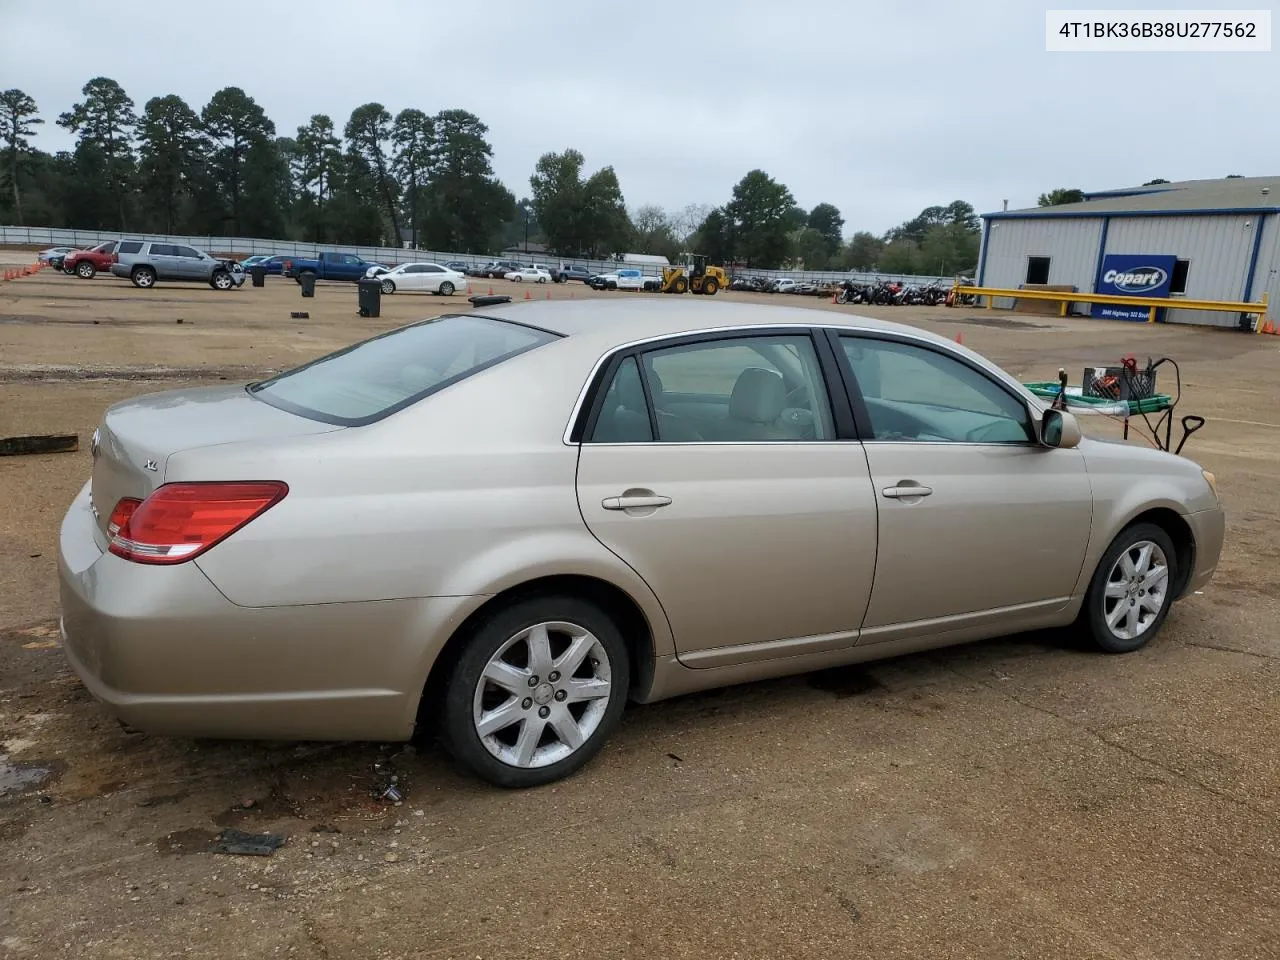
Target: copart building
1198, 239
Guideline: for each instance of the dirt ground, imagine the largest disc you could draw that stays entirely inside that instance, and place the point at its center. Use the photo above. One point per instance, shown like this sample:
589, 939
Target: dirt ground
1019, 798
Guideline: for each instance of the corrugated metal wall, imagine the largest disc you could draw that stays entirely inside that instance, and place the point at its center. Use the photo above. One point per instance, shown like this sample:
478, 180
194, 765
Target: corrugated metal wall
1218, 247
1071, 245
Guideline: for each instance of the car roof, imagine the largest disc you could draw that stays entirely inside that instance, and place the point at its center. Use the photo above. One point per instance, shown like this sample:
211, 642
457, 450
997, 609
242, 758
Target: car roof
610, 322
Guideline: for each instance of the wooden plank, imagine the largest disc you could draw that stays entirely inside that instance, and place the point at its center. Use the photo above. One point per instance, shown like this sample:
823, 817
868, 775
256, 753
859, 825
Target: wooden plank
47, 443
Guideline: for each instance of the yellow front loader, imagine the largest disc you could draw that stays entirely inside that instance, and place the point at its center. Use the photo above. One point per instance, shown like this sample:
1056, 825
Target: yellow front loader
695, 275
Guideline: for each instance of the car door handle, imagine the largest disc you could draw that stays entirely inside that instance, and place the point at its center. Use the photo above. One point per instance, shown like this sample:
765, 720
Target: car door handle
633, 502
906, 491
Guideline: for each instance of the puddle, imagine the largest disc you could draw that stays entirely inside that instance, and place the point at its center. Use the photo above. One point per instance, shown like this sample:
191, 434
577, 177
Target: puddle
18, 778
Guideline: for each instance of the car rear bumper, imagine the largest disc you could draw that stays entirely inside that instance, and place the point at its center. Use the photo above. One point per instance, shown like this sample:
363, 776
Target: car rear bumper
167, 653
1208, 530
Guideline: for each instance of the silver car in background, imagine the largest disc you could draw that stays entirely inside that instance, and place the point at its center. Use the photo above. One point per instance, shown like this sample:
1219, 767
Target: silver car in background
505, 524
145, 262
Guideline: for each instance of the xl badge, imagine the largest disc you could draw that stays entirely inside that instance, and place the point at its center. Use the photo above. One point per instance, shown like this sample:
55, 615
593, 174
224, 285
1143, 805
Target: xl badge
150, 465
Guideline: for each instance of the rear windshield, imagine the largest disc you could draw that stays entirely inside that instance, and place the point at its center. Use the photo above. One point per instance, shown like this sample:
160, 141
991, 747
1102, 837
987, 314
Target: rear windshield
372, 379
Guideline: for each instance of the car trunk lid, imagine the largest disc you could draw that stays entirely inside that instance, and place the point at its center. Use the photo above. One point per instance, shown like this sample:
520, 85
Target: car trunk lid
136, 438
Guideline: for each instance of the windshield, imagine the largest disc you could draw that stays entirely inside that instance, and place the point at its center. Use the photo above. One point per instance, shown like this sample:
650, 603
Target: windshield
377, 377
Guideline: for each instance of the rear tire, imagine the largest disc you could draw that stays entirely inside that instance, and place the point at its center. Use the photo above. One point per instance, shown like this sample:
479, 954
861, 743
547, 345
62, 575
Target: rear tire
503, 714
143, 277
446, 289
86, 270
1131, 590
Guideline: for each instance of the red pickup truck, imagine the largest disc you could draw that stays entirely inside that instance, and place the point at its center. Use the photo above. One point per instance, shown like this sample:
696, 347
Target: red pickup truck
87, 263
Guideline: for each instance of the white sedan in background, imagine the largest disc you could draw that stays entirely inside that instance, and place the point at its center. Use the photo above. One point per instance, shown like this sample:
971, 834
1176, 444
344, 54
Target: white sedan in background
529, 275
423, 277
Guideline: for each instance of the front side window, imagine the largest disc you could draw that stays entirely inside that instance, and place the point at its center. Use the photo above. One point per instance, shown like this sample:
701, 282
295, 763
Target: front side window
186, 252
735, 390
913, 393
379, 376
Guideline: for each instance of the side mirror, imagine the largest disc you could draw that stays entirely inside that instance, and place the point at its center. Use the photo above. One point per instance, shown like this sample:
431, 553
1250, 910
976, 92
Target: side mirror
1059, 429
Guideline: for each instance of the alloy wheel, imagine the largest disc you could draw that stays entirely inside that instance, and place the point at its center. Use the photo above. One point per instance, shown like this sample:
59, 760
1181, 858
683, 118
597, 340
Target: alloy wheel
1136, 589
542, 695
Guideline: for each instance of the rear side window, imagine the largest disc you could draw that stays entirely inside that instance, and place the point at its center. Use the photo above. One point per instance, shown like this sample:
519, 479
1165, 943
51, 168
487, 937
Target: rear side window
130, 246
377, 377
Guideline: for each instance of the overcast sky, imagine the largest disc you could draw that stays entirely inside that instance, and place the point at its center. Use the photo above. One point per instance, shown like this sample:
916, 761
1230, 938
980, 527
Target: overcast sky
880, 108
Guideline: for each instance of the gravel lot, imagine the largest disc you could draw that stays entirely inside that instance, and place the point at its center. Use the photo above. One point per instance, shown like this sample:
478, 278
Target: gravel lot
1018, 798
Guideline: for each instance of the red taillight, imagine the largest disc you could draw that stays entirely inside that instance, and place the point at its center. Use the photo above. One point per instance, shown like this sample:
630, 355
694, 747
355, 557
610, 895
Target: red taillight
182, 520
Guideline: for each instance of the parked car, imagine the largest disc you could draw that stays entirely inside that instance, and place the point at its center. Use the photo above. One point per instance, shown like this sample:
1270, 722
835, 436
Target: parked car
86, 264
529, 275
55, 255
275, 266
570, 271
426, 277
250, 262
153, 261
331, 266
495, 522
783, 285
497, 269
628, 278
459, 266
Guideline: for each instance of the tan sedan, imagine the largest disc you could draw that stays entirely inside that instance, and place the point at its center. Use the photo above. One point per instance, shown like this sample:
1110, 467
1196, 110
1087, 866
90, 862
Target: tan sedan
504, 525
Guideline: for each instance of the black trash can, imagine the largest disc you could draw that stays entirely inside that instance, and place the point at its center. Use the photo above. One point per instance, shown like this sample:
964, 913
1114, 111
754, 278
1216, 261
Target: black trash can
308, 283
259, 274
370, 297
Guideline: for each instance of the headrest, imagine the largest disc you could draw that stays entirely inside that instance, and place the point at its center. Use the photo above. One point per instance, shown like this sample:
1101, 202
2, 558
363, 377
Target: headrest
759, 396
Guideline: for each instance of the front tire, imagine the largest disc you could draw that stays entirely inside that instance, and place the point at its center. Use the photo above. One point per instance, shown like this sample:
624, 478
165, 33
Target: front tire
446, 289
710, 287
86, 270
538, 689
221, 280
388, 287
1132, 589
143, 277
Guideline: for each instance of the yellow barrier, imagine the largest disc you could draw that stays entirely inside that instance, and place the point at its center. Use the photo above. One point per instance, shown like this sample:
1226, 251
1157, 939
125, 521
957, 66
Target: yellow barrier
1258, 309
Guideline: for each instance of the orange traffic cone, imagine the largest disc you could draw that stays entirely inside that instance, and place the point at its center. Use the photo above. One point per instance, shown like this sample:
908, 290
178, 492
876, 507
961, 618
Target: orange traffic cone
468, 288
491, 289
548, 293
528, 295
960, 337
835, 298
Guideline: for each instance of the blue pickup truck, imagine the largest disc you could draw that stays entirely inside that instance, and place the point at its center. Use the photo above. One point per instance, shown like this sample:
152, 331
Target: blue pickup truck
331, 266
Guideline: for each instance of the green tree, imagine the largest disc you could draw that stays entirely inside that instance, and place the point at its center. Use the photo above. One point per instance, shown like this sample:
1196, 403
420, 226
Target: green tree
825, 218
18, 119
797, 218
240, 135
1060, 196
579, 217
863, 252
1235, 176
1157, 180
760, 211
715, 237
948, 249
413, 135
104, 122
464, 205
316, 164
170, 149
811, 249
557, 199
367, 133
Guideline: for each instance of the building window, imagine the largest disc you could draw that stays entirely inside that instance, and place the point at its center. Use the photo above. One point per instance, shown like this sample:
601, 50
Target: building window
1037, 269
1178, 282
